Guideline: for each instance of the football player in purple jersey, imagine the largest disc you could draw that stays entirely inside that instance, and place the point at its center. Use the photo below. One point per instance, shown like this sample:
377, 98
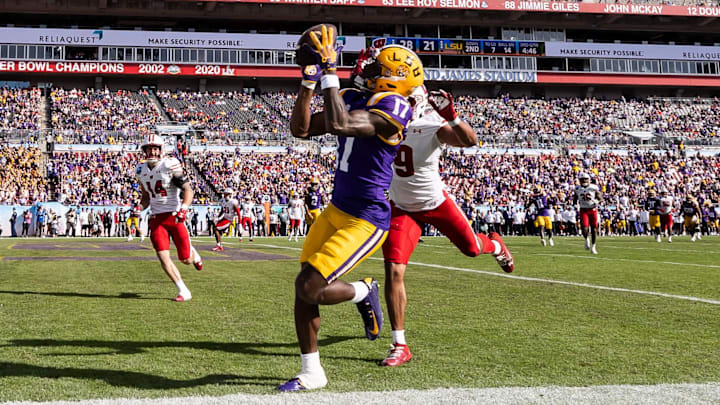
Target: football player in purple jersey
369, 124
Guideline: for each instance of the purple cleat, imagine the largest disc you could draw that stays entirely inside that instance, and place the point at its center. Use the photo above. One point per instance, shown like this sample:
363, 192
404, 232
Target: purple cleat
371, 310
291, 385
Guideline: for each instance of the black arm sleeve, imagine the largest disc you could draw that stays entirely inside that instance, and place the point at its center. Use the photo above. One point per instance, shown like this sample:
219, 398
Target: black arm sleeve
179, 181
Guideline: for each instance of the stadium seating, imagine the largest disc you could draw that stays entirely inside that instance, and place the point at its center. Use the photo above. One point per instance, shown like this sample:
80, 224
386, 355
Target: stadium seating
19, 109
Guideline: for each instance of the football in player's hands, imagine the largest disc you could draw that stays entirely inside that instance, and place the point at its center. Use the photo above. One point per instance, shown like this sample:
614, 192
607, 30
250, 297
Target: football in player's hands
442, 102
305, 53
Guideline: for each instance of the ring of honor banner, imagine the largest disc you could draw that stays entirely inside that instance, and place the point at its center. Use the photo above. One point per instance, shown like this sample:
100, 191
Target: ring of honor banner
508, 5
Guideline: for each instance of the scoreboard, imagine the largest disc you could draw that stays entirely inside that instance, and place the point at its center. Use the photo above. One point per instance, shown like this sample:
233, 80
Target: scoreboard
464, 46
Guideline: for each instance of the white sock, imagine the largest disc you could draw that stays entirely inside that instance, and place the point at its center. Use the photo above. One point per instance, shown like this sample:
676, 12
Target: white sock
361, 291
399, 337
498, 248
310, 363
181, 287
312, 374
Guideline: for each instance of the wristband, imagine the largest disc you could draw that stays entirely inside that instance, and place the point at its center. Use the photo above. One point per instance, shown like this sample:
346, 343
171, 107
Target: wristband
183, 207
455, 122
330, 81
308, 84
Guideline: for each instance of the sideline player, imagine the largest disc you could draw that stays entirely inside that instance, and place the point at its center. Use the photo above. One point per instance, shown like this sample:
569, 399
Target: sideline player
162, 180
665, 210
542, 220
651, 205
692, 215
355, 222
133, 221
230, 208
417, 197
313, 202
588, 197
296, 214
247, 218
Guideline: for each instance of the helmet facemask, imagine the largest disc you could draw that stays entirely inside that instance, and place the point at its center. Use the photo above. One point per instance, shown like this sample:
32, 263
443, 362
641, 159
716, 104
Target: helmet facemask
153, 154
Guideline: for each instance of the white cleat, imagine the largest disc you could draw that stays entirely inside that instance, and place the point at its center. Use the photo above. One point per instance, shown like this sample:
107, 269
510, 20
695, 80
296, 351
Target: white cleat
130, 238
587, 244
692, 239
658, 239
670, 239
699, 237
594, 250
542, 242
550, 241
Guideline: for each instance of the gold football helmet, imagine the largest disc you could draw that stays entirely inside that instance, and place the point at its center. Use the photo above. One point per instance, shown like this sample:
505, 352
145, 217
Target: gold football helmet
394, 68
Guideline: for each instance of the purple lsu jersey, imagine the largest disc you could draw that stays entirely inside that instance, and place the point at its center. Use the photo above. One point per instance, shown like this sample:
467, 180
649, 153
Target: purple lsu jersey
313, 199
541, 205
364, 165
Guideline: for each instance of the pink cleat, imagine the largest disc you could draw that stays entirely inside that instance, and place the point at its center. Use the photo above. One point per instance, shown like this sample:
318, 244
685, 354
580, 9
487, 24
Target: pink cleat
504, 258
399, 354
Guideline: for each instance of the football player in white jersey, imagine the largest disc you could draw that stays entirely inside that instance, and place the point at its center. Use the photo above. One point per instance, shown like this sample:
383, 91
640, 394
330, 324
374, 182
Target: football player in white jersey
229, 208
665, 210
162, 180
417, 195
588, 197
296, 213
248, 217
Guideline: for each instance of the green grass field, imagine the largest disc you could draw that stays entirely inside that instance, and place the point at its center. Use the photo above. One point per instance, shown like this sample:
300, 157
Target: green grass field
106, 328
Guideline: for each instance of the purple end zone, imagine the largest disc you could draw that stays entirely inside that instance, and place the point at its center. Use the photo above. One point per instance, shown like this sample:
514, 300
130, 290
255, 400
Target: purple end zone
78, 246
226, 255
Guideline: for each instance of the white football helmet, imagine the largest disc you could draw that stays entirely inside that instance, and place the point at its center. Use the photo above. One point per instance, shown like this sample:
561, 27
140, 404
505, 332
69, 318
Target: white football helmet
153, 140
228, 191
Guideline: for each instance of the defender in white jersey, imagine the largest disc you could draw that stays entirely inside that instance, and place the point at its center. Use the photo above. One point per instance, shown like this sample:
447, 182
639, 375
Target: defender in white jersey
588, 197
417, 196
162, 181
229, 207
296, 213
665, 209
248, 217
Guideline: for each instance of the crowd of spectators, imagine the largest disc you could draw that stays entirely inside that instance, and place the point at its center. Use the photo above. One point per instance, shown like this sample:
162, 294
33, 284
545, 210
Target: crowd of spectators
90, 111
19, 109
507, 179
23, 177
493, 189
95, 178
265, 176
528, 120
235, 117
227, 117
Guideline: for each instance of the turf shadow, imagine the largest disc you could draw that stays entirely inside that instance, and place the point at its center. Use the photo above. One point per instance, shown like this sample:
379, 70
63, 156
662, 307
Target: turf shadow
131, 379
135, 347
124, 295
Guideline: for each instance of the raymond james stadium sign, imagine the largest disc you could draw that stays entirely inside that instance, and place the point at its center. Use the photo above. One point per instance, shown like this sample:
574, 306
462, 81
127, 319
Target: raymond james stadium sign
467, 75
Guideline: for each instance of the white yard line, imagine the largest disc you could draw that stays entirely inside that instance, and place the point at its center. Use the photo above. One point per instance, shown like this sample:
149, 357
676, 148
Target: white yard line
604, 246
696, 394
543, 280
615, 259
